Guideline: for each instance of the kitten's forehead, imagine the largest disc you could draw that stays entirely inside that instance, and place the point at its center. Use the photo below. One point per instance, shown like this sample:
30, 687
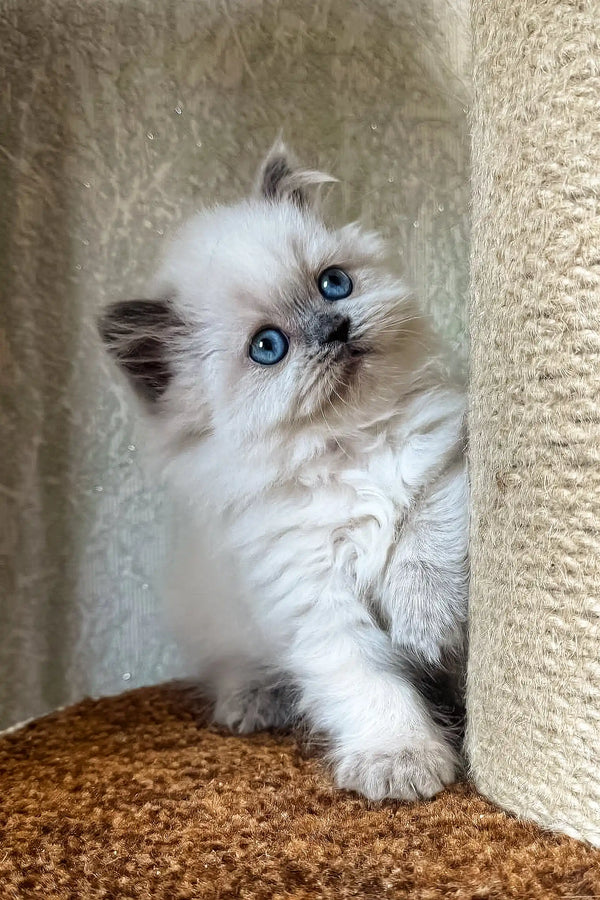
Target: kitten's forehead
265, 233
256, 247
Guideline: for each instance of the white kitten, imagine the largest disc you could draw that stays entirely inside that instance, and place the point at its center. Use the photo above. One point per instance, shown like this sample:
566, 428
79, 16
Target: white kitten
302, 409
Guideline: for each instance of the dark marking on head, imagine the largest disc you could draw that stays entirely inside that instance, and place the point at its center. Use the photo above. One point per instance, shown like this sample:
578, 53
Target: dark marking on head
142, 335
280, 178
275, 181
275, 170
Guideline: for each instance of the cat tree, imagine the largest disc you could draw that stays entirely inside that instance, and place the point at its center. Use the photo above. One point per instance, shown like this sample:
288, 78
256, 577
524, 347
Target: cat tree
534, 669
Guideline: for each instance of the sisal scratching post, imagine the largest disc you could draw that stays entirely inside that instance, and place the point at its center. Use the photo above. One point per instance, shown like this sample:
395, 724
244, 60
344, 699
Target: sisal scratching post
534, 672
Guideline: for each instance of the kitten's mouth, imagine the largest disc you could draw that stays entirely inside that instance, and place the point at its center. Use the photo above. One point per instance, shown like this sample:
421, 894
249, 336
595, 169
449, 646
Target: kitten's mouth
356, 350
337, 374
341, 352
346, 363
349, 356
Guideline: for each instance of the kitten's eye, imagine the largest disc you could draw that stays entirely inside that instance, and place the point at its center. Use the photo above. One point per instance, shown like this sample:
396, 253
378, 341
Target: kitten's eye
334, 284
268, 346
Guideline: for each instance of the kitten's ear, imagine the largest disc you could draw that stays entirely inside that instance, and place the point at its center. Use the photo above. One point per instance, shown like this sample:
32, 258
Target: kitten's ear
280, 179
144, 337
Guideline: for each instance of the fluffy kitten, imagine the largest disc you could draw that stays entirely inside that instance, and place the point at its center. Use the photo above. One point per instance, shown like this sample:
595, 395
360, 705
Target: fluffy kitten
302, 407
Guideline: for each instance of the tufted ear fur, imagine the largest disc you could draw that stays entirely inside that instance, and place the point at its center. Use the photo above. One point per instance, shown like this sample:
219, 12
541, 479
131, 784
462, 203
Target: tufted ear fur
280, 179
143, 337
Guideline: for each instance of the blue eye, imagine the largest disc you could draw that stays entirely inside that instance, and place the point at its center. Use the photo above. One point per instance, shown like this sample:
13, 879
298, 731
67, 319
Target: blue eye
268, 346
335, 284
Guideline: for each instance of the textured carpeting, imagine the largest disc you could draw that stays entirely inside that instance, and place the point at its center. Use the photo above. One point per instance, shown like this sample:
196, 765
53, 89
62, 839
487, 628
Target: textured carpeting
132, 797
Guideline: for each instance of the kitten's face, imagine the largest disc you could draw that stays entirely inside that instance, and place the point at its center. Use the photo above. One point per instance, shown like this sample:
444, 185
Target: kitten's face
266, 318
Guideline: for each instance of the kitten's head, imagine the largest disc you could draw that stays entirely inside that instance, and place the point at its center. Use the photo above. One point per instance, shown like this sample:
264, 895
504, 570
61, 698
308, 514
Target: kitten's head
261, 317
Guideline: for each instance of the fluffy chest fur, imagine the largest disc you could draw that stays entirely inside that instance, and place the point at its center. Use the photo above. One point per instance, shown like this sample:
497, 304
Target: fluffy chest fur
375, 514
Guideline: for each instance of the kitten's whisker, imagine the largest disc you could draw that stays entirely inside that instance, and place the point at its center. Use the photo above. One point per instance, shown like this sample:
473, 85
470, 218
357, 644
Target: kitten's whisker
327, 425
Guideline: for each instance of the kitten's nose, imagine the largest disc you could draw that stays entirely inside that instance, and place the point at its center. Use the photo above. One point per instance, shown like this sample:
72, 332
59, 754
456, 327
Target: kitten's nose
333, 329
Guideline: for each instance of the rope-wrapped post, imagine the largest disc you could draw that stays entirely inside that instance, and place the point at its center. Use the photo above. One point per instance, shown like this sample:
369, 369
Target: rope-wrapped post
533, 702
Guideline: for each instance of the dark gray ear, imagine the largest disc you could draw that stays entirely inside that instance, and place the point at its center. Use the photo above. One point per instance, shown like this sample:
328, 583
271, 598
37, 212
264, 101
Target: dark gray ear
143, 336
280, 179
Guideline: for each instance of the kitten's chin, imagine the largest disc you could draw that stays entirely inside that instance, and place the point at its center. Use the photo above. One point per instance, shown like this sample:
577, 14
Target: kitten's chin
347, 377
366, 384
343, 388
354, 385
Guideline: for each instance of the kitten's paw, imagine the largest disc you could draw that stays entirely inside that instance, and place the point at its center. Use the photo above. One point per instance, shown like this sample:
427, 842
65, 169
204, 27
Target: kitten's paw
254, 709
420, 768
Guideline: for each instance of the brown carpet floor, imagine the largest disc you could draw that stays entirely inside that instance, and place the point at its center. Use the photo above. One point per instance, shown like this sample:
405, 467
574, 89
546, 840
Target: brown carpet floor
133, 797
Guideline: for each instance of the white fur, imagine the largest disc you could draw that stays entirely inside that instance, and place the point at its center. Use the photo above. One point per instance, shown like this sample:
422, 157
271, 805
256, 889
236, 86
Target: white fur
323, 525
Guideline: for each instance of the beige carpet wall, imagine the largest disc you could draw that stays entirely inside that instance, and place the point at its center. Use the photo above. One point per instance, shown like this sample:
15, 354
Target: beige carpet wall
117, 119
534, 673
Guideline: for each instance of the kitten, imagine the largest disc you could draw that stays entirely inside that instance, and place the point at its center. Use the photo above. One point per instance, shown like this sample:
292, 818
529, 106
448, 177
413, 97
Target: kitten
303, 409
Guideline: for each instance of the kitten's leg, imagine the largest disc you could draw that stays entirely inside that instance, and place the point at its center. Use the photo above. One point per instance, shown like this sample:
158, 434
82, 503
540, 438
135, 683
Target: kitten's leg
384, 742
423, 596
254, 703
230, 656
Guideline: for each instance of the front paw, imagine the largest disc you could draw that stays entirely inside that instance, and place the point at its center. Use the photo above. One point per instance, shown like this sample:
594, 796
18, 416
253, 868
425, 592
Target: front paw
417, 768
